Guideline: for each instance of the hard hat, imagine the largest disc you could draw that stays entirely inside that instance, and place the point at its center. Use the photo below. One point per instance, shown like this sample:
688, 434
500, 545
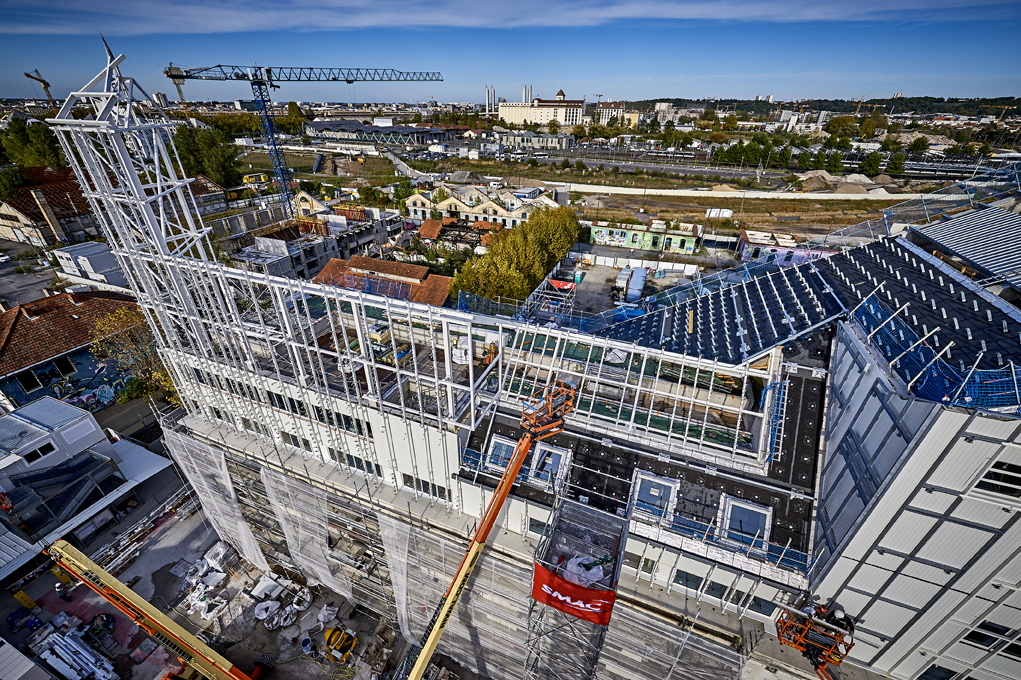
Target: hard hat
838, 614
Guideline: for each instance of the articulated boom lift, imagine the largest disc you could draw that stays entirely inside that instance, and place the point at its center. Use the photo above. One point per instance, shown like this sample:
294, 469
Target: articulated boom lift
265, 78
162, 628
542, 418
821, 643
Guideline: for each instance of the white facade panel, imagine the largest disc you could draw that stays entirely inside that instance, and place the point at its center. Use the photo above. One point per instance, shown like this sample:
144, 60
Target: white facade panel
886, 618
953, 545
907, 532
911, 591
933, 501
962, 463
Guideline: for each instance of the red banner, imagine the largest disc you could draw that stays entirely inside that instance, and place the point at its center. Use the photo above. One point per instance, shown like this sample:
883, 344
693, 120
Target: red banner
591, 605
562, 285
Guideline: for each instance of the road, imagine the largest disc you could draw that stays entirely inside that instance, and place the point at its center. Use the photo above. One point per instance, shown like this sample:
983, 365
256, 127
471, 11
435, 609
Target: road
785, 195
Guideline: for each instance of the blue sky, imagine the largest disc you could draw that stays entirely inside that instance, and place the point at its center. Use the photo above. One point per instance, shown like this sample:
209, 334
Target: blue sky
621, 50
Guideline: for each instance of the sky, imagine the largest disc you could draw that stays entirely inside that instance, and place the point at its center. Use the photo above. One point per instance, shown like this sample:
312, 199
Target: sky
647, 49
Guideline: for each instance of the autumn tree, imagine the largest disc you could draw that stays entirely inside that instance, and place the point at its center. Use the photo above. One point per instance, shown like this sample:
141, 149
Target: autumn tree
519, 259
553, 127
124, 336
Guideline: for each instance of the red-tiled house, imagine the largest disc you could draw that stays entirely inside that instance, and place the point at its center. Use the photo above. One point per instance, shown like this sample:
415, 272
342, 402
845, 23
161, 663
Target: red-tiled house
50, 208
45, 351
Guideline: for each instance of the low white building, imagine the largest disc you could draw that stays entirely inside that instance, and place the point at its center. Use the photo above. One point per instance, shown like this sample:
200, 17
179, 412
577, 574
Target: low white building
567, 112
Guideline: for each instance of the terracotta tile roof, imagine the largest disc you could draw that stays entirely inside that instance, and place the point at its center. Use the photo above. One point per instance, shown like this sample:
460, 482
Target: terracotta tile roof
332, 270
433, 291
482, 225
388, 269
48, 328
447, 221
430, 229
60, 189
203, 185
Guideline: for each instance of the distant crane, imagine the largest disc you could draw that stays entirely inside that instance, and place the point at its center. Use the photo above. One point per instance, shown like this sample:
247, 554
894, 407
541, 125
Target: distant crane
859, 105
34, 75
176, 77
1003, 111
264, 78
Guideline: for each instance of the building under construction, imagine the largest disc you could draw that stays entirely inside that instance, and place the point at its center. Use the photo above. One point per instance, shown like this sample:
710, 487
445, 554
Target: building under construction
734, 441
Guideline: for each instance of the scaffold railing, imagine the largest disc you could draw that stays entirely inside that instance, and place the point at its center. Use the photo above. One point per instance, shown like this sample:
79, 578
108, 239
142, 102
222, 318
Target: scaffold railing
776, 416
782, 555
928, 376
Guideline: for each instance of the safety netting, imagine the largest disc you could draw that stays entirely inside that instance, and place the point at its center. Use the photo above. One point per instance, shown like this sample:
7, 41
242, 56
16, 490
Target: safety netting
926, 373
206, 470
302, 510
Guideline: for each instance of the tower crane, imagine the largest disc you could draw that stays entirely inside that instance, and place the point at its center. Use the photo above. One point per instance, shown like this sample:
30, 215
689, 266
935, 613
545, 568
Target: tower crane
265, 78
175, 73
541, 418
1003, 109
34, 75
164, 630
859, 105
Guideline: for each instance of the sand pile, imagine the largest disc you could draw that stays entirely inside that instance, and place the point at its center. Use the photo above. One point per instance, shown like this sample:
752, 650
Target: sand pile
724, 187
850, 189
855, 178
814, 184
884, 179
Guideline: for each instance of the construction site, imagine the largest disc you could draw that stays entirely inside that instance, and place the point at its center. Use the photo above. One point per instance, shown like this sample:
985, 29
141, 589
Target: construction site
507, 489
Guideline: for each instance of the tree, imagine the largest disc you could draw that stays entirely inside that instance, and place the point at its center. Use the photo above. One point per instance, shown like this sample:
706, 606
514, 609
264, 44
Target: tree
580, 166
440, 195
919, 145
578, 131
208, 152
834, 163
872, 163
819, 162
553, 127
518, 259
804, 160
891, 143
124, 336
565, 164
783, 158
11, 179
31, 146
895, 166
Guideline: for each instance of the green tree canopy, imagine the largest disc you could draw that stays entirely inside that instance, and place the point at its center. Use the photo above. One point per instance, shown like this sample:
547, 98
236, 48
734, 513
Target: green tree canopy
871, 164
895, 166
208, 152
553, 127
919, 145
11, 179
819, 162
519, 258
31, 146
804, 160
834, 162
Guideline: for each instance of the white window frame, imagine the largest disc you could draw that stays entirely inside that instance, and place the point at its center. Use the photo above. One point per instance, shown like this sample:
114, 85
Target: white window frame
542, 448
1008, 454
668, 511
727, 503
496, 438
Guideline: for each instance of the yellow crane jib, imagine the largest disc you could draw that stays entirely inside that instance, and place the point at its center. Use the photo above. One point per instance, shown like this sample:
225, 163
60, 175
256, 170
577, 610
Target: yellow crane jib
164, 630
541, 417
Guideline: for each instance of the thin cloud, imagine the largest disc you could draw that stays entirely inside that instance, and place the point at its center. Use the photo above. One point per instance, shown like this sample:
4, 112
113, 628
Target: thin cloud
143, 17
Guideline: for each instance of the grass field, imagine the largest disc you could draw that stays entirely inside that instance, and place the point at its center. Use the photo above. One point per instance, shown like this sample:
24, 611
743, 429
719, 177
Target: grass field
376, 171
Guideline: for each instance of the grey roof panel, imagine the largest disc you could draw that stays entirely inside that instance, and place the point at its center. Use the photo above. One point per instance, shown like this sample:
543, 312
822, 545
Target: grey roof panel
989, 238
50, 413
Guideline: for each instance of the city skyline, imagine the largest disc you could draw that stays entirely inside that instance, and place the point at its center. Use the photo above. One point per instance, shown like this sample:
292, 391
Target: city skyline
621, 51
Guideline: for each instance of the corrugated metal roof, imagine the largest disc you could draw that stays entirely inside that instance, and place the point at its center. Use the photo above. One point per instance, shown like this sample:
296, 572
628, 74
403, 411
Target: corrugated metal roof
50, 413
988, 238
16, 434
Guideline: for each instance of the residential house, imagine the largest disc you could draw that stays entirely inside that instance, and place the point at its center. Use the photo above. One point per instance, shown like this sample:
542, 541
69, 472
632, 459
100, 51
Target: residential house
49, 209
393, 279
45, 350
783, 248
503, 208
677, 238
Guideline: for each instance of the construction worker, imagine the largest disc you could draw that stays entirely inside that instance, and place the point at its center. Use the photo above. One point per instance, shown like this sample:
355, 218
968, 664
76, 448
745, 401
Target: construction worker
838, 619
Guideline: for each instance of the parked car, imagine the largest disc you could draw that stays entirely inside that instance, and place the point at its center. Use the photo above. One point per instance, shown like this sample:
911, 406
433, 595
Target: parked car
5, 258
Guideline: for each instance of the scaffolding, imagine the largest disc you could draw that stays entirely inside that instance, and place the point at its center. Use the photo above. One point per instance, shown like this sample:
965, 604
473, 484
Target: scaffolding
574, 582
288, 386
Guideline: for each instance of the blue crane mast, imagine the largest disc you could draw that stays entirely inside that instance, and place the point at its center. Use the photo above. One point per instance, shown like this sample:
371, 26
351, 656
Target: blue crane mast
265, 78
